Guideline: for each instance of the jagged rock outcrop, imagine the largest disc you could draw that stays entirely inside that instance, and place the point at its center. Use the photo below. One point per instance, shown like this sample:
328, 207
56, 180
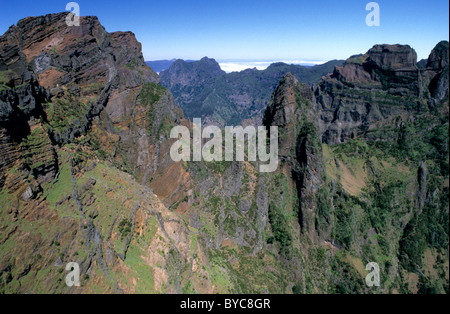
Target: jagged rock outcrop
47, 61
393, 57
292, 110
22, 102
439, 57
382, 83
438, 71
72, 98
381, 89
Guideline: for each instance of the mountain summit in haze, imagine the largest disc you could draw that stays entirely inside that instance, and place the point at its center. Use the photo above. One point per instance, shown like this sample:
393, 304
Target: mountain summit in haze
203, 90
161, 65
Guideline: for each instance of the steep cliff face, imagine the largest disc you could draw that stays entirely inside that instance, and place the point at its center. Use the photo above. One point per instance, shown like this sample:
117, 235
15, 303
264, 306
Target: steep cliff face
438, 71
370, 88
85, 70
357, 147
76, 105
293, 112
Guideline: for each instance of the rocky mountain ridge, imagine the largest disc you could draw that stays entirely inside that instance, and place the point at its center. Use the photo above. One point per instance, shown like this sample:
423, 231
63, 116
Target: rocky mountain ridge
369, 88
75, 108
86, 175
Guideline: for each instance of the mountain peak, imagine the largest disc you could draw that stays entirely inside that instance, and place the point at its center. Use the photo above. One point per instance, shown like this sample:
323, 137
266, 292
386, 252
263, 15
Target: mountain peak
439, 56
207, 59
289, 79
212, 63
375, 65
391, 57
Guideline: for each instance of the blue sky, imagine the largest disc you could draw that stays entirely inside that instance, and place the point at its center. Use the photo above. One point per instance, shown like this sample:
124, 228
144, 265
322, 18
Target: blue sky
256, 29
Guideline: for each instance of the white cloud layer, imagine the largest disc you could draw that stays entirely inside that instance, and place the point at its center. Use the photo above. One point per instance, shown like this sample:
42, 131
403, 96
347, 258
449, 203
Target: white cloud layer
237, 66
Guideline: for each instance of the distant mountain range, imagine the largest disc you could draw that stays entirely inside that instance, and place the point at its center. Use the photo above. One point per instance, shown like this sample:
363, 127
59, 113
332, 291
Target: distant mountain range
204, 90
228, 66
161, 65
